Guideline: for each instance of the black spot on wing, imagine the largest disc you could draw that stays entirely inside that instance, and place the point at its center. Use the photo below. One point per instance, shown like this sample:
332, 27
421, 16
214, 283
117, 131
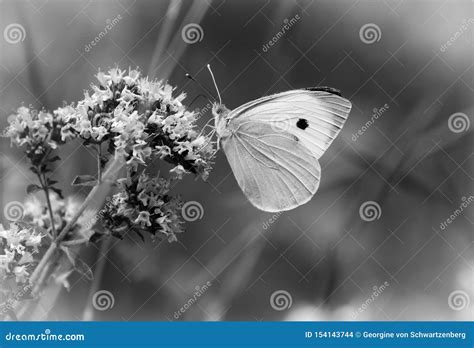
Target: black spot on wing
325, 89
302, 123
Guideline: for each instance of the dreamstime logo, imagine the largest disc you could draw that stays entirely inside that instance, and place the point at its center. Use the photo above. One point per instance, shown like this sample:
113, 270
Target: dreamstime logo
370, 211
14, 211
377, 112
376, 292
199, 291
281, 300
204, 110
462, 29
103, 300
287, 25
192, 211
266, 225
465, 203
370, 33
192, 33
458, 300
458, 122
110, 24
10, 304
14, 33
100, 214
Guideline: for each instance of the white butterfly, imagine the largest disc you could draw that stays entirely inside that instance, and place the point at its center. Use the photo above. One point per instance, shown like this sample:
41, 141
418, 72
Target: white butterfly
273, 144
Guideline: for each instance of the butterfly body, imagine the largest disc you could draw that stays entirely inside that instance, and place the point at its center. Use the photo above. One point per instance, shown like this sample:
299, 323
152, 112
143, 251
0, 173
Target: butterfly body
221, 113
273, 143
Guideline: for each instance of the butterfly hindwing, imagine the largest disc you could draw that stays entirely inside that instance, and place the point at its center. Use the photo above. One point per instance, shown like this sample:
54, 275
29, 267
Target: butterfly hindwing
272, 167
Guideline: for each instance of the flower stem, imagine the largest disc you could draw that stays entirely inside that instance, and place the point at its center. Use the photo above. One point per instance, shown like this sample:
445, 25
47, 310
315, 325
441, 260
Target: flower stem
43, 182
88, 313
36, 275
99, 164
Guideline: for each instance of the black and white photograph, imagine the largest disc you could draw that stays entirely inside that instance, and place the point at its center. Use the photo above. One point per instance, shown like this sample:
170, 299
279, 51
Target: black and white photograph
236, 161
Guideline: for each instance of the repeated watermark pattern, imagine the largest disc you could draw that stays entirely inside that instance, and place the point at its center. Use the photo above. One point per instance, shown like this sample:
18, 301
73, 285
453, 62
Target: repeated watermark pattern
376, 113
99, 215
199, 291
110, 24
14, 33
376, 292
281, 300
204, 110
370, 33
13, 211
192, 33
466, 201
20, 295
287, 25
103, 300
464, 27
370, 211
458, 122
459, 300
266, 225
192, 211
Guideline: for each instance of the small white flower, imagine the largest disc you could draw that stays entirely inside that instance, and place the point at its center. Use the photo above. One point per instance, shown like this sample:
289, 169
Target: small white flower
143, 219
21, 274
178, 172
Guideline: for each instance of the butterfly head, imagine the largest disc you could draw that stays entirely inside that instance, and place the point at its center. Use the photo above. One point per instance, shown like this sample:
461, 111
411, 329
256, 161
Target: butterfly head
220, 113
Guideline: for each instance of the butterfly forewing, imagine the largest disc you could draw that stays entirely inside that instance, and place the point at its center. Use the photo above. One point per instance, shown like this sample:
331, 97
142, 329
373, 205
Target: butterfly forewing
315, 117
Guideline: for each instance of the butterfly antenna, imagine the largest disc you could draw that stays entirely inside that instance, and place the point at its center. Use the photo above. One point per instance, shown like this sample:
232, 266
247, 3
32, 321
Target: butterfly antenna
204, 89
215, 84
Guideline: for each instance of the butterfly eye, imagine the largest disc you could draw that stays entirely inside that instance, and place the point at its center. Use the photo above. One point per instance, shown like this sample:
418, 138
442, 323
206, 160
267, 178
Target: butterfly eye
220, 109
302, 123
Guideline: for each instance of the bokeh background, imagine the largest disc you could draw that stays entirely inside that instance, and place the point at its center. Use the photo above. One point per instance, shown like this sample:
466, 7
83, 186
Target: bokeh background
320, 261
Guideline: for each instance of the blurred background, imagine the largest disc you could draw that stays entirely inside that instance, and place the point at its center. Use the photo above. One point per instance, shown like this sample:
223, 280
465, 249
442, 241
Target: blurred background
373, 244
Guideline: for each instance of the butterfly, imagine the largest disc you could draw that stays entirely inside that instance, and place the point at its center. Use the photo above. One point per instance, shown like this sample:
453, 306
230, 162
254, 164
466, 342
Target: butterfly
273, 144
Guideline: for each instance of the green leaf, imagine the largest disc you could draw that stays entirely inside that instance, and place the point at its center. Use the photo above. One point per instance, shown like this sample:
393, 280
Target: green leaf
84, 180
58, 192
32, 188
52, 182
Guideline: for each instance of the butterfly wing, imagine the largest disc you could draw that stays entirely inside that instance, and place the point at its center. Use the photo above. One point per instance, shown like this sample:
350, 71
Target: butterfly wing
274, 170
275, 143
315, 115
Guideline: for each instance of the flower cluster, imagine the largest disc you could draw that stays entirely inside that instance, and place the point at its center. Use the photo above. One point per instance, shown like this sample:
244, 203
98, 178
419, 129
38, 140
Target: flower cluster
125, 116
20, 244
36, 212
136, 117
39, 131
142, 120
143, 204
17, 245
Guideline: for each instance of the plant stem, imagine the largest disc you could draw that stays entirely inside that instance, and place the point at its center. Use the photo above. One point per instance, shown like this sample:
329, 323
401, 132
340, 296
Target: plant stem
55, 243
99, 164
43, 182
88, 313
